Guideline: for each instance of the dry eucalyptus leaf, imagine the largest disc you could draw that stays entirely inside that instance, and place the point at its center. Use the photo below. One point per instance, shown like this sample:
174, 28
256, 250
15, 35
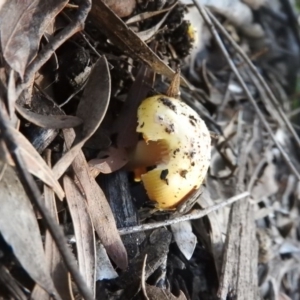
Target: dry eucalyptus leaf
185, 238
91, 109
54, 260
22, 25
63, 164
36, 165
19, 228
129, 42
48, 121
98, 207
95, 99
84, 232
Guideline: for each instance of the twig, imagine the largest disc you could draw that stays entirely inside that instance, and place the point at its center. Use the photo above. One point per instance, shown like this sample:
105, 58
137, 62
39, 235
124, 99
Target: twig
34, 196
143, 278
260, 78
195, 214
203, 13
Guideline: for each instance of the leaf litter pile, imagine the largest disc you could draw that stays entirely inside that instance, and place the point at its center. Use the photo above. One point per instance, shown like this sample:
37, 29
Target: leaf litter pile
76, 220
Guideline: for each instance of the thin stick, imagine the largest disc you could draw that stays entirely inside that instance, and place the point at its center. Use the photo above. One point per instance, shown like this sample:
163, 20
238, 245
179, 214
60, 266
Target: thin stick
35, 197
215, 34
195, 214
143, 284
261, 80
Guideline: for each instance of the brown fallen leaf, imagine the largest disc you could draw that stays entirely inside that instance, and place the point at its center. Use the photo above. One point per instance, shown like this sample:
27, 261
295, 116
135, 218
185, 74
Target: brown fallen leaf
48, 121
95, 99
22, 25
91, 109
36, 165
98, 207
84, 232
123, 37
20, 230
55, 264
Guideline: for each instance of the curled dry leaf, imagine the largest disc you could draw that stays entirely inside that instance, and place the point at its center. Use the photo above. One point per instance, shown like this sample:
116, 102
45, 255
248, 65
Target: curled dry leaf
46, 121
95, 99
91, 109
22, 25
84, 232
20, 230
117, 158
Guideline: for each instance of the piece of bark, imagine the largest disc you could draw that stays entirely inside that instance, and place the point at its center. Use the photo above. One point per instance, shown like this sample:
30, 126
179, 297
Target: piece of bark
116, 189
239, 270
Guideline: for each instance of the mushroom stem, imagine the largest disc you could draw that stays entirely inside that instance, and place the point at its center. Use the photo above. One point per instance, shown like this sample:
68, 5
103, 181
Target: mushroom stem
146, 154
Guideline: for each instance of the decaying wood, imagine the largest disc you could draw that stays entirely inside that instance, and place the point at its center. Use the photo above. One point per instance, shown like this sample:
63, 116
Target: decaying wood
116, 189
239, 268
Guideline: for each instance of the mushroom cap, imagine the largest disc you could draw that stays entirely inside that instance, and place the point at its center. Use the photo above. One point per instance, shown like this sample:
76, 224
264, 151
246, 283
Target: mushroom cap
186, 149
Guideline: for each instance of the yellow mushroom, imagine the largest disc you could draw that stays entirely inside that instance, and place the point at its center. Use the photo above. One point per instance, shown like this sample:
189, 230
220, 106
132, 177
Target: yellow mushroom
176, 142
